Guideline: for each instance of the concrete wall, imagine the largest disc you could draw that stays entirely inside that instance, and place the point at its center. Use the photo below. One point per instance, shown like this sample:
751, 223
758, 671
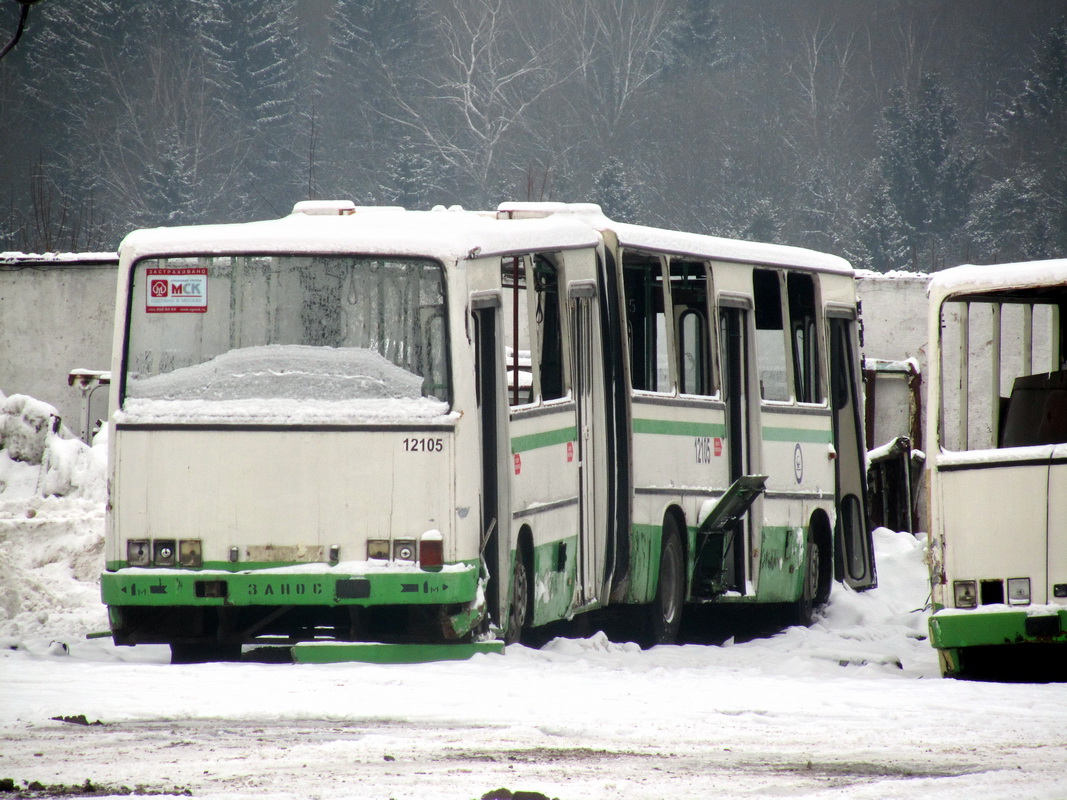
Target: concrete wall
56, 314
894, 325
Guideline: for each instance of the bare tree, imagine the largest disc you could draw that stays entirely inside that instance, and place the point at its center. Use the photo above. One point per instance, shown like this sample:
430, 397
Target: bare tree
486, 68
618, 48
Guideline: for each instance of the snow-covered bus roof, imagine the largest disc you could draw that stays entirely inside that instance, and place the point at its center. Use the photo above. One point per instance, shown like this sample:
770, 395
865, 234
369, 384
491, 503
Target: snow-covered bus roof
983, 278
442, 234
341, 227
16, 259
696, 245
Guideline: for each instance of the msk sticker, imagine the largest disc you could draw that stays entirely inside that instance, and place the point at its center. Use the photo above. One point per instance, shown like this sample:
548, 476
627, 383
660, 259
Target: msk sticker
177, 290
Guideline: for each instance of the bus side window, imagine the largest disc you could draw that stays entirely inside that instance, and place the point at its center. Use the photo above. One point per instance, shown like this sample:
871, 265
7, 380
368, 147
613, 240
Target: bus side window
803, 330
548, 328
771, 351
646, 322
689, 294
533, 334
517, 358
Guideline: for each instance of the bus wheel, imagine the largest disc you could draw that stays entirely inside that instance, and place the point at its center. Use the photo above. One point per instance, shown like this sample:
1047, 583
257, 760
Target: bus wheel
665, 613
803, 610
519, 609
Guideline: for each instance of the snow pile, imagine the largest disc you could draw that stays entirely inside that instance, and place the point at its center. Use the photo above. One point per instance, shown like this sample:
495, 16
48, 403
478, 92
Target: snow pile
877, 633
51, 557
38, 457
52, 491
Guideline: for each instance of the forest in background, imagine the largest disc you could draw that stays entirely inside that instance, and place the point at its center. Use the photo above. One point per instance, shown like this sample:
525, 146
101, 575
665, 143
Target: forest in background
912, 134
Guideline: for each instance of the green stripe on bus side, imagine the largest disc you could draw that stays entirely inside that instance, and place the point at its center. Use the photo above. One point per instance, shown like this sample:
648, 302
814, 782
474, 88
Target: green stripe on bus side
534, 441
675, 428
796, 435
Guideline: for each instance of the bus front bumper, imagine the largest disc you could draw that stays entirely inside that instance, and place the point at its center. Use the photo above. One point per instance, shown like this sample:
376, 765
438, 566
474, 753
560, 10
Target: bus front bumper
952, 629
453, 584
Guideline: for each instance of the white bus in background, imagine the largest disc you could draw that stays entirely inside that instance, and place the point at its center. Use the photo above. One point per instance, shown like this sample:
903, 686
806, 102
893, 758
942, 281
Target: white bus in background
427, 430
997, 461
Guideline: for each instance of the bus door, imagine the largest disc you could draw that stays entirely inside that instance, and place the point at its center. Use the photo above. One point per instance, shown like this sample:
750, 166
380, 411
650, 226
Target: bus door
854, 552
1056, 531
733, 339
492, 403
590, 547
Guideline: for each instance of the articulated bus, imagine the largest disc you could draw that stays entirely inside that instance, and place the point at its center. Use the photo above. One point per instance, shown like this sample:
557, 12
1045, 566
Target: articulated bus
997, 432
441, 428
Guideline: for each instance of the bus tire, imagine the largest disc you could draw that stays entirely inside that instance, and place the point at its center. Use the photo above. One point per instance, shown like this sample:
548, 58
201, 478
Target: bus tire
665, 612
519, 607
802, 612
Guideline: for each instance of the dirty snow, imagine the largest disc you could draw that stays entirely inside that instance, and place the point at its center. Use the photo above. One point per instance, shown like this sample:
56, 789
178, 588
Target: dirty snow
851, 707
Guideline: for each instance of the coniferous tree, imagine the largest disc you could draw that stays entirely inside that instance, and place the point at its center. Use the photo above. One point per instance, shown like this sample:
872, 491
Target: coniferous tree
411, 179
1023, 213
613, 189
929, 177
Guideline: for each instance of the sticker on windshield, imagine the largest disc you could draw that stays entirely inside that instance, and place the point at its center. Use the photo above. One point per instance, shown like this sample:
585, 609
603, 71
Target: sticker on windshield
177, 289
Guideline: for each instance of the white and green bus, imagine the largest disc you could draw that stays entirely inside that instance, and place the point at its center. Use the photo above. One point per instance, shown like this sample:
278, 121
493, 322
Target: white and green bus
997, 434
430, 430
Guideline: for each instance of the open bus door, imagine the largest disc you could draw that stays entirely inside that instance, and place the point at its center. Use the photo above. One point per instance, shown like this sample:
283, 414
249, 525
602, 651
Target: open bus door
591, 541
853, 548
740, 413
496, 503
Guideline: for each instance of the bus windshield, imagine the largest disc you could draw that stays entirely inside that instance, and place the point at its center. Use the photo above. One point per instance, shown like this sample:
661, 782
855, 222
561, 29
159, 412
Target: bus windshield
286, 327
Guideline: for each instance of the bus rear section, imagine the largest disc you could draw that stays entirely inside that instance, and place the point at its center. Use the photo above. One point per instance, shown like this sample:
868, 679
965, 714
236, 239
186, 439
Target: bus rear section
284, 460
998, 471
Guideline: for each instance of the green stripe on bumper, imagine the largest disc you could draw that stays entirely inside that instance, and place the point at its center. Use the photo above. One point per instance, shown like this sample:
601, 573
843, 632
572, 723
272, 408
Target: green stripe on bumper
144, 587
378, 653
980, 628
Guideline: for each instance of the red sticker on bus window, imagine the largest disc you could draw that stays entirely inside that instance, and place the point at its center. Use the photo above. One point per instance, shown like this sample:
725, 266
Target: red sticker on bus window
570, 452
718, 447
518, 464
181, 289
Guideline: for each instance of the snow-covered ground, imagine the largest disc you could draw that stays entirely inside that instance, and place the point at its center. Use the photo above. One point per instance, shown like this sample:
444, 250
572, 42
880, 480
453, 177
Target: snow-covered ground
852, 707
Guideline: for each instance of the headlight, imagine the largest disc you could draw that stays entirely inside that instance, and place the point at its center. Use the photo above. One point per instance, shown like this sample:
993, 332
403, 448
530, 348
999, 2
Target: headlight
965, 593
138, 552
378, 549
164, 552
1019, 591
404, 550
190, 553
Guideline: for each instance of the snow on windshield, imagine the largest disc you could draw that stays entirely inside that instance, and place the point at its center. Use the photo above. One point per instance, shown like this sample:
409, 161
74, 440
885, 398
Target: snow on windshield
283, 371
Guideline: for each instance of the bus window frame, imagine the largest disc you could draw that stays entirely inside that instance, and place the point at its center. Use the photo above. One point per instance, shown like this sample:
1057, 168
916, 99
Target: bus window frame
128, 273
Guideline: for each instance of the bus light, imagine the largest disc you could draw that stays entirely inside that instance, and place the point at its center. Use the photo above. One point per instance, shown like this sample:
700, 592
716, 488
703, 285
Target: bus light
190, 553
378, 549
1019, 591
965, 593
431, 550
404, 550
164, 552
138, 553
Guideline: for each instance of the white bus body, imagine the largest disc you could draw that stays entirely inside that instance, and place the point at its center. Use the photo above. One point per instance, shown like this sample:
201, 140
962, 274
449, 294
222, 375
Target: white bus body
423, 427
997, 432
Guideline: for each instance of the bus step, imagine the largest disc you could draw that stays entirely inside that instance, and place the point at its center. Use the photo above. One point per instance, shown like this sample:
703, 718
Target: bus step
385, 653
